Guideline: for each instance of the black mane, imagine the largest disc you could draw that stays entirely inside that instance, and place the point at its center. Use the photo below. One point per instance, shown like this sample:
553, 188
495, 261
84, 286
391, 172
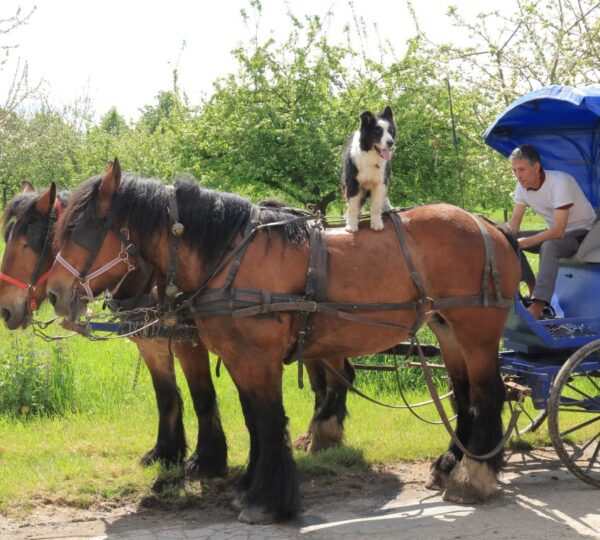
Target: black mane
20, 212
211, 218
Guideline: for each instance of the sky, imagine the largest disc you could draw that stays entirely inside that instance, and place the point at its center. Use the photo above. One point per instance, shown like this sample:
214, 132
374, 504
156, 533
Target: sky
122, 52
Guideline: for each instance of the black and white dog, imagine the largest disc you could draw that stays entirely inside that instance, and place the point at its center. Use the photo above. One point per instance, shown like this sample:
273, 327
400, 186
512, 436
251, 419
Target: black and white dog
367, 167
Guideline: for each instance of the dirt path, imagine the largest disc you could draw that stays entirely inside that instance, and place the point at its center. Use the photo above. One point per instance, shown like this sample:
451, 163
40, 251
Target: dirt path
536, 500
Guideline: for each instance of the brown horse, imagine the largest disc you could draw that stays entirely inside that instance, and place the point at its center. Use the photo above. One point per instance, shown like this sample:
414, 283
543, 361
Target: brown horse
369, 267
28, 224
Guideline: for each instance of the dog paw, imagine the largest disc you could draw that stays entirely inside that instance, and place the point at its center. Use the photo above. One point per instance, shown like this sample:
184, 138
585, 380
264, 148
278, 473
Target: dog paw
351, 228
377, 224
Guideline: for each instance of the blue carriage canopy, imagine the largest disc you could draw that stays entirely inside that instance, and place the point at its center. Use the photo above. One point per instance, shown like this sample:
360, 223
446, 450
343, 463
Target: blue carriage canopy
563, 123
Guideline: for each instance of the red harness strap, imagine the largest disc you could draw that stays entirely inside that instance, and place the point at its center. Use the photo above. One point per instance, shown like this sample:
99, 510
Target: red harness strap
31, 287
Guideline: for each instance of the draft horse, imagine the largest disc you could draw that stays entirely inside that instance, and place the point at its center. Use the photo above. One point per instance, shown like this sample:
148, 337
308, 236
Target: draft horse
28, 227
245, 283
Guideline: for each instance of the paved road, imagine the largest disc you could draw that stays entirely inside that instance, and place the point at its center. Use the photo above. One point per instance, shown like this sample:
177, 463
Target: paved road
536, 500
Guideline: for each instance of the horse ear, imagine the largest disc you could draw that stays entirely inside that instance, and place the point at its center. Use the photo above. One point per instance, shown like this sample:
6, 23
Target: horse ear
26, 187
108, 187
387, 112
46, 201
366, 118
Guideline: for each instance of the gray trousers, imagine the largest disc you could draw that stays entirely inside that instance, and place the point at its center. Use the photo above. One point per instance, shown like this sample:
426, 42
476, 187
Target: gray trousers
550, 252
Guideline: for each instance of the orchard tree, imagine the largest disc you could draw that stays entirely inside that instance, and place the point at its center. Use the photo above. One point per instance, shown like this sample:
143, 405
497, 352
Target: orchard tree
14, 76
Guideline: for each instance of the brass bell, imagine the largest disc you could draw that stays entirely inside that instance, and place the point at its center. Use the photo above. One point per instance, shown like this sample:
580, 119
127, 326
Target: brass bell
171, 321
177, 229
171, 290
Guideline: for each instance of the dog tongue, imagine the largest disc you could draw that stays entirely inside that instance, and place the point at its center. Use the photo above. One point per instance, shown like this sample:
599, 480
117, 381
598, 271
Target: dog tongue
386, 154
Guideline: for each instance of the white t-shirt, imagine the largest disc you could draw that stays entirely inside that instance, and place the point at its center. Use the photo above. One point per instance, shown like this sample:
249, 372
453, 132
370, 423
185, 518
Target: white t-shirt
559, 189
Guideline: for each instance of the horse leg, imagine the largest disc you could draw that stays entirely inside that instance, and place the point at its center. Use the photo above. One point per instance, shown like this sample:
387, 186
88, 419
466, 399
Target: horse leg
474, 480
270, 485
210, 457
170, 443
318, 384
327, 424
455, 364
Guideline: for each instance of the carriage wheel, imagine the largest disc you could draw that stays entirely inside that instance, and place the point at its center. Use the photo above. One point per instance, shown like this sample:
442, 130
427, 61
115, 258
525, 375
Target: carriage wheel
528, 421
574, 413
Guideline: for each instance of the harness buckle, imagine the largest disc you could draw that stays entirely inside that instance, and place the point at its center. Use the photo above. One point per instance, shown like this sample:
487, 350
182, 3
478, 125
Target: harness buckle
312, 306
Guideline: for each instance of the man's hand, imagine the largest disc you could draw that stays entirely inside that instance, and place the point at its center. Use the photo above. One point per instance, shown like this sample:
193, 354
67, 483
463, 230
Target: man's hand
526, 242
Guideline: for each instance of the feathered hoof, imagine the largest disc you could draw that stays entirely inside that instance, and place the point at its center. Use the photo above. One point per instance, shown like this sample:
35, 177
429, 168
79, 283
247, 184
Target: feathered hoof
256, 515
237, 503
196, 467
326, 434
470, 482
155, 454
302, 442
437, 480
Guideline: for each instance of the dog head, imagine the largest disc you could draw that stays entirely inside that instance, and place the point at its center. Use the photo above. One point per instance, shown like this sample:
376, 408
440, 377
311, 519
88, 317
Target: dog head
377, 132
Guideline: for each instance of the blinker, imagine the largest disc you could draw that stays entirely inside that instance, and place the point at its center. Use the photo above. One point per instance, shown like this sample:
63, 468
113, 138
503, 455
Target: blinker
36, 235
89, 236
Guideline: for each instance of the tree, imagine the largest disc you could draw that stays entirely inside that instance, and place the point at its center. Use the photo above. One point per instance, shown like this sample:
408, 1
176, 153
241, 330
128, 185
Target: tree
17, 85
528, 45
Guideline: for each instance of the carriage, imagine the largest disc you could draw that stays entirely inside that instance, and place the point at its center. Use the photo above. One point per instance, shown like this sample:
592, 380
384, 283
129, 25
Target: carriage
557, 360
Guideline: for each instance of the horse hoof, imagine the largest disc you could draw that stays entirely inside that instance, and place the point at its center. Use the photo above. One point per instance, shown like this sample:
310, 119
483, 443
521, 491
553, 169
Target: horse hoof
155, 455
195, 468
237, 503
302, 442
437, 481
255, 515
470, 482
460, 496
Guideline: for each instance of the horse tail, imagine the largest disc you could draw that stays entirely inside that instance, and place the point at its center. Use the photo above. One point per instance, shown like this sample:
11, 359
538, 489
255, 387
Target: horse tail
505, 230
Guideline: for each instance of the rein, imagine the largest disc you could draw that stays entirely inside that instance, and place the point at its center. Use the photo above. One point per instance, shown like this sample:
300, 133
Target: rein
36, 279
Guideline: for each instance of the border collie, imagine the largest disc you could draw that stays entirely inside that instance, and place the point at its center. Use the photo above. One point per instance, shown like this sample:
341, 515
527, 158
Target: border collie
367, 167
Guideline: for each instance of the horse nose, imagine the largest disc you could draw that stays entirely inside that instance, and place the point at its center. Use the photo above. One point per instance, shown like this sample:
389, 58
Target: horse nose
5, 314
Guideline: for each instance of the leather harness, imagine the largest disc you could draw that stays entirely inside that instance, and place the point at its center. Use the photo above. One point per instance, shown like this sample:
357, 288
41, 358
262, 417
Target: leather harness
242, 302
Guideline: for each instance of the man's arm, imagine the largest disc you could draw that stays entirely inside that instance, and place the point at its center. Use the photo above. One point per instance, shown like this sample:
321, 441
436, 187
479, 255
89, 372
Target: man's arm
517, 216
560, 217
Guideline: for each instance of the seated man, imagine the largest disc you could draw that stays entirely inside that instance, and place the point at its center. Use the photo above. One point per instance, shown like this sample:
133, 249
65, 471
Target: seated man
556, 197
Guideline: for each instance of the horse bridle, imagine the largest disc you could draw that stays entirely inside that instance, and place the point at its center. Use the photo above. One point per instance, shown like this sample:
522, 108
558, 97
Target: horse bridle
39, 233
90, 236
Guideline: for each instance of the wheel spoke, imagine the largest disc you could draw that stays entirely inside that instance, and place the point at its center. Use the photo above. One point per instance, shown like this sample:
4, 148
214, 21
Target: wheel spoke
591, 379
594, 455
578, 411
575, 389
582, 425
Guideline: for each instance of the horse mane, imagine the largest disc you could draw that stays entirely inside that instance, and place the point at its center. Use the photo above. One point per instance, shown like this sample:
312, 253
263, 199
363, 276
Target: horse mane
20, 211
211, 218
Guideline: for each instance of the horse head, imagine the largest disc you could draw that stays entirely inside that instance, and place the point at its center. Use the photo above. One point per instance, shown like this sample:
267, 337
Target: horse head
93, 254
28, 226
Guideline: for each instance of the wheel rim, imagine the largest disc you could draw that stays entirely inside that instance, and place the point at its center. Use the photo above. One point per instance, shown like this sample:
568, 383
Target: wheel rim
574, 414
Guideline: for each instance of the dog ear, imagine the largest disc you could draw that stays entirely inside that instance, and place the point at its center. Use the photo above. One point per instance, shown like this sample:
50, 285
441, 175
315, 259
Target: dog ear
387, 113
366, 118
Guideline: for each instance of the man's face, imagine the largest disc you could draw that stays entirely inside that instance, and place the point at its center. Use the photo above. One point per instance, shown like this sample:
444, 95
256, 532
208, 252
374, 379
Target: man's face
527, 174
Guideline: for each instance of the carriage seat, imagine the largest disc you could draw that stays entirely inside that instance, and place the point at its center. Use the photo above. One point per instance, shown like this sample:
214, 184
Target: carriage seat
589, 250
